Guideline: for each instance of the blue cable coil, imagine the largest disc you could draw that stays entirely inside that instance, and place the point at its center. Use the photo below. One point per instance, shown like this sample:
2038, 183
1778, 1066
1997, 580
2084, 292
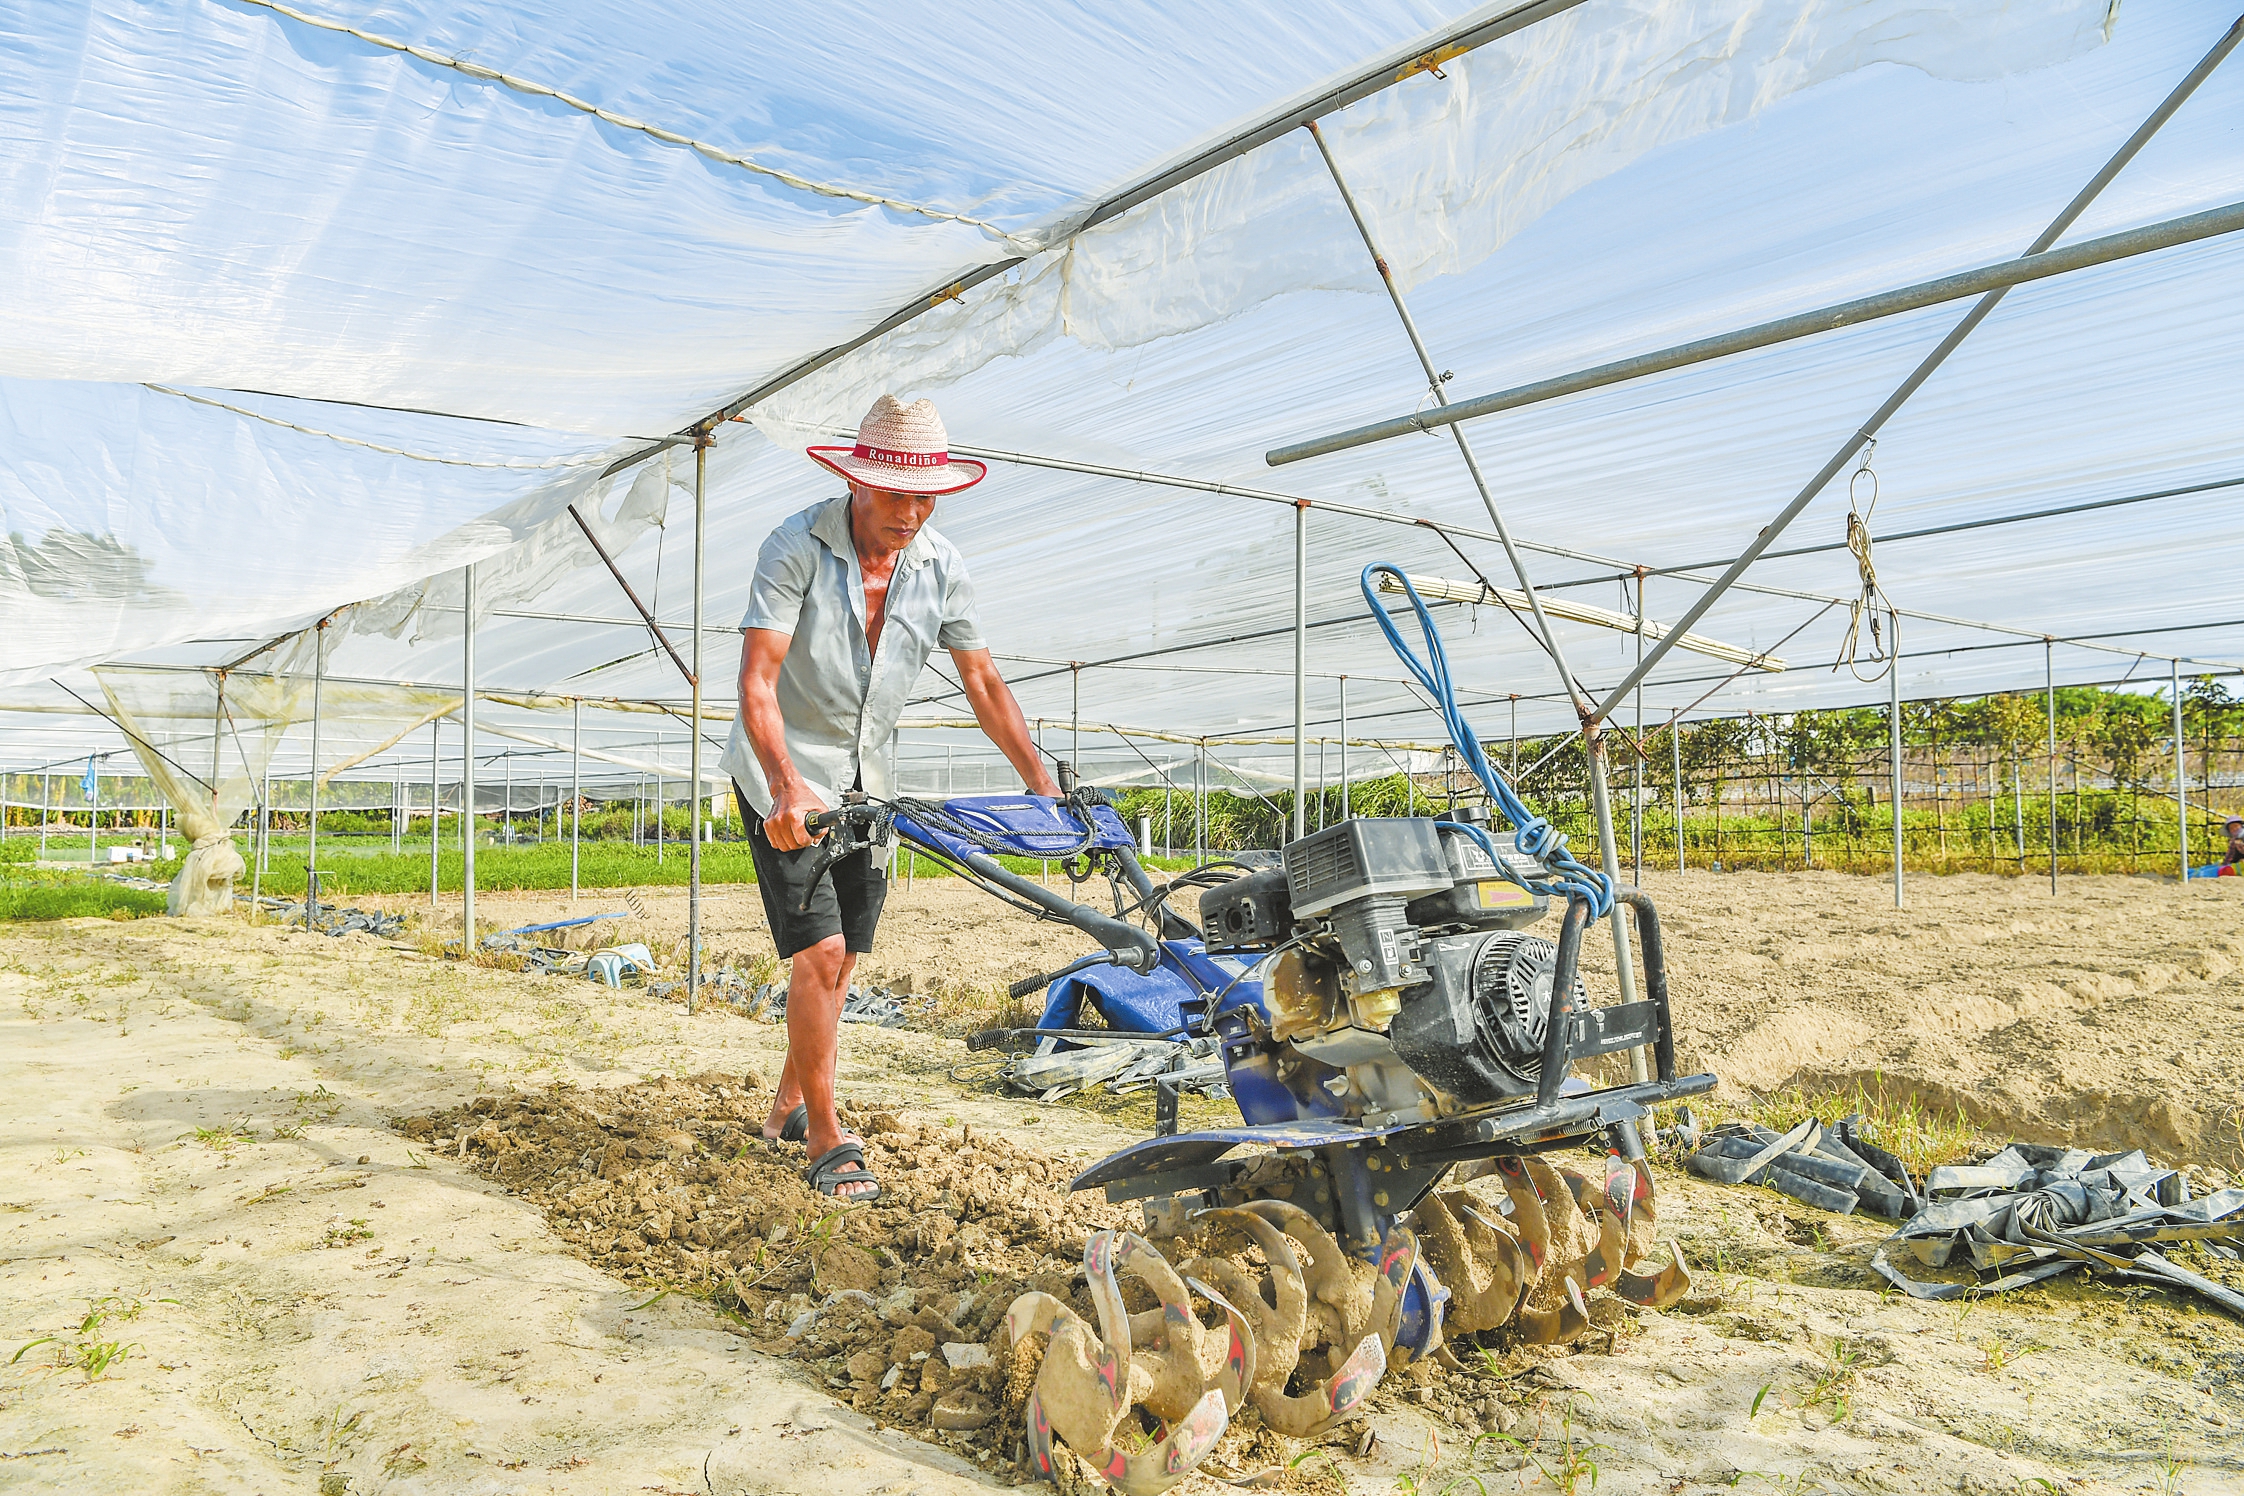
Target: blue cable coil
1537, 837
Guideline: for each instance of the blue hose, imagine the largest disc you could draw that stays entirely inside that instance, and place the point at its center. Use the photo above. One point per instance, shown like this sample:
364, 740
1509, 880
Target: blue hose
1537, 837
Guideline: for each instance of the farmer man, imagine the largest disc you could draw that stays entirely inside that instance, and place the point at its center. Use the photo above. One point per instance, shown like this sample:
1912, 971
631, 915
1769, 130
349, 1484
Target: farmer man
850, 596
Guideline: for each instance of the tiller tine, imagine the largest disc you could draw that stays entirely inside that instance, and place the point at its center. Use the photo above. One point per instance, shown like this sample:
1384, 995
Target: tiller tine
1089, 1382
1552, 1326
1478, 1260
1657, 1290
1603, 1262
1325, 1307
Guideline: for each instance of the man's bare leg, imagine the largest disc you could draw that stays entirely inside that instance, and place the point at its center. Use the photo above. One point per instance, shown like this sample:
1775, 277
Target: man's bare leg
815, 992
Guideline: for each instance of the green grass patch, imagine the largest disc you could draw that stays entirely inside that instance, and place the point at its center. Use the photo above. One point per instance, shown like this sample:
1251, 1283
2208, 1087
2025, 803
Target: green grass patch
503, 869
1900, 1121
76, 900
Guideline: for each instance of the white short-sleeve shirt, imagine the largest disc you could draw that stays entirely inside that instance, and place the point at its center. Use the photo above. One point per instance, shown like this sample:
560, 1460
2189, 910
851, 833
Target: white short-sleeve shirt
840, 699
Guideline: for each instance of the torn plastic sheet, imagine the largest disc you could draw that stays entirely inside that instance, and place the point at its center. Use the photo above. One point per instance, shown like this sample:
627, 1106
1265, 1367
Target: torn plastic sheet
2061, 1209
1830, 1167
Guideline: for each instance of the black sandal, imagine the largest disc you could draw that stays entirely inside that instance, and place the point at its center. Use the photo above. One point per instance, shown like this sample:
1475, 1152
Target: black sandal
793, 1130
828, 1174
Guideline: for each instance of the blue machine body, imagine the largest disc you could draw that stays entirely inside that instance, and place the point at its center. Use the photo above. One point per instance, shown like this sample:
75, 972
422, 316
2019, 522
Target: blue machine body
1022, 825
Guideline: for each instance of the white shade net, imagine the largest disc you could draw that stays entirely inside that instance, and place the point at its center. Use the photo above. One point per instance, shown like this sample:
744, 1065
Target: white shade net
278, 226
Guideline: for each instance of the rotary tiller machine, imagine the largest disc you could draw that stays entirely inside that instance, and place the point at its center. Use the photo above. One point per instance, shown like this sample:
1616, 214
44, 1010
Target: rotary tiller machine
1387, 1026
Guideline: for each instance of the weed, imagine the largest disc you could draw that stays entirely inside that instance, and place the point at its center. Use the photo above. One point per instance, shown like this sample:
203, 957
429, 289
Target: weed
1574, 1459
95, 1359
1901, 1122
1758, 1397
343, 1234
1834, 1383
2170, 1470
1797, 1484
1999, 1352
290, 1130
224, 1138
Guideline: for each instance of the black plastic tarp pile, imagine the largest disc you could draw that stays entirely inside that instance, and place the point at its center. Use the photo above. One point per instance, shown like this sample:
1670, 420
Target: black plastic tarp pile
878, 1006
2027, 1214
1831, 1166
337, 921
2033, 1212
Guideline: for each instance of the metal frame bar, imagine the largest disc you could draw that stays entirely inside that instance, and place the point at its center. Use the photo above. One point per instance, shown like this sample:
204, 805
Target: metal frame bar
467, 767
2031, 266
692, 676
1893, 724
1932, 361
693, 734
1425, 55
1592, 738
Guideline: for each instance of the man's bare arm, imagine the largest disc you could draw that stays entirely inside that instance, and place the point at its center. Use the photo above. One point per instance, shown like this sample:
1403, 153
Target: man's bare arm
1000, 716
762, 652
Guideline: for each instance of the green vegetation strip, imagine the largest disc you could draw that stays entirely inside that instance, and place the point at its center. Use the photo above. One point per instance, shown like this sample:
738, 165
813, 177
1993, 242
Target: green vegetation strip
75, 900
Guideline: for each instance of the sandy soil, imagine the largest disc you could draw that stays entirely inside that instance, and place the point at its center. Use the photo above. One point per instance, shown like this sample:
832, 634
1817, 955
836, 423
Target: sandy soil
199, 1167
2111, 1015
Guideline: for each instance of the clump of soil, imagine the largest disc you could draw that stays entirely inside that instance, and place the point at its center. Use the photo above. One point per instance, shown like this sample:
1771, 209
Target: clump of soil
898, 1305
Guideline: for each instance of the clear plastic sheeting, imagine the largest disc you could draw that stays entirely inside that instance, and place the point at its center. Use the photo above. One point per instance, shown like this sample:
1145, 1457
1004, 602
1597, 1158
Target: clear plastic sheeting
225, 200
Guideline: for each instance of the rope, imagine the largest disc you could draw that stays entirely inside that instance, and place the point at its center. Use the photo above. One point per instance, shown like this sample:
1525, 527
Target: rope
1873, 597
1536, 837
624, 122
352, 441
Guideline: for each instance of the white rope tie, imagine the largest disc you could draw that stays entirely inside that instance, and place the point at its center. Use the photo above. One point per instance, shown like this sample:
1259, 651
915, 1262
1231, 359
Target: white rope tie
1872, 602
656, 132
525, 464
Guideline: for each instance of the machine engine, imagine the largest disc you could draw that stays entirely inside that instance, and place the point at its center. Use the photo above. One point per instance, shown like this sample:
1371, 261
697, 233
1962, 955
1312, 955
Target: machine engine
1400, 962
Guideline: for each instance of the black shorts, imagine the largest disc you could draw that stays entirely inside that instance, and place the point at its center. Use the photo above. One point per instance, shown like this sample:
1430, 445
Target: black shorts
846, 901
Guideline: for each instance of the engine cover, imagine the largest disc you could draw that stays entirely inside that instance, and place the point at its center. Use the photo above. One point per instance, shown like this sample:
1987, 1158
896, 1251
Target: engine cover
1250, 913
1475, 1029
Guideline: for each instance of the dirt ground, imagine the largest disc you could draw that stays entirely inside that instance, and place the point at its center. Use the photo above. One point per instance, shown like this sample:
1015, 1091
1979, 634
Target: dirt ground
233, 1271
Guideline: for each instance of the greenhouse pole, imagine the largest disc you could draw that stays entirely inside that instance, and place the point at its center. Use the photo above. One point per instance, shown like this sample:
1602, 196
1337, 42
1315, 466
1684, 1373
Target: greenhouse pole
658, 800
311, 843
1767, 535
1075, 718
1636, 760
2181, 765
693, 757
1300, 659
46, 802
436, 816
1675, 747
1893, 731
1593, 739
576, 788
2018, 803
467, 769
1200, 808
2049, 680
1344, 748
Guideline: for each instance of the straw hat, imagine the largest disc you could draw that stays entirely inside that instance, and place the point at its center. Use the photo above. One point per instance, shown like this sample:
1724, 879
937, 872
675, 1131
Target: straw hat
904, 449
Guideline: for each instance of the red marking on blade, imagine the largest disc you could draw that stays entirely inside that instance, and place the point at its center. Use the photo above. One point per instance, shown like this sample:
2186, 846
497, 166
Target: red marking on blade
1039, 1435
1109, 1368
